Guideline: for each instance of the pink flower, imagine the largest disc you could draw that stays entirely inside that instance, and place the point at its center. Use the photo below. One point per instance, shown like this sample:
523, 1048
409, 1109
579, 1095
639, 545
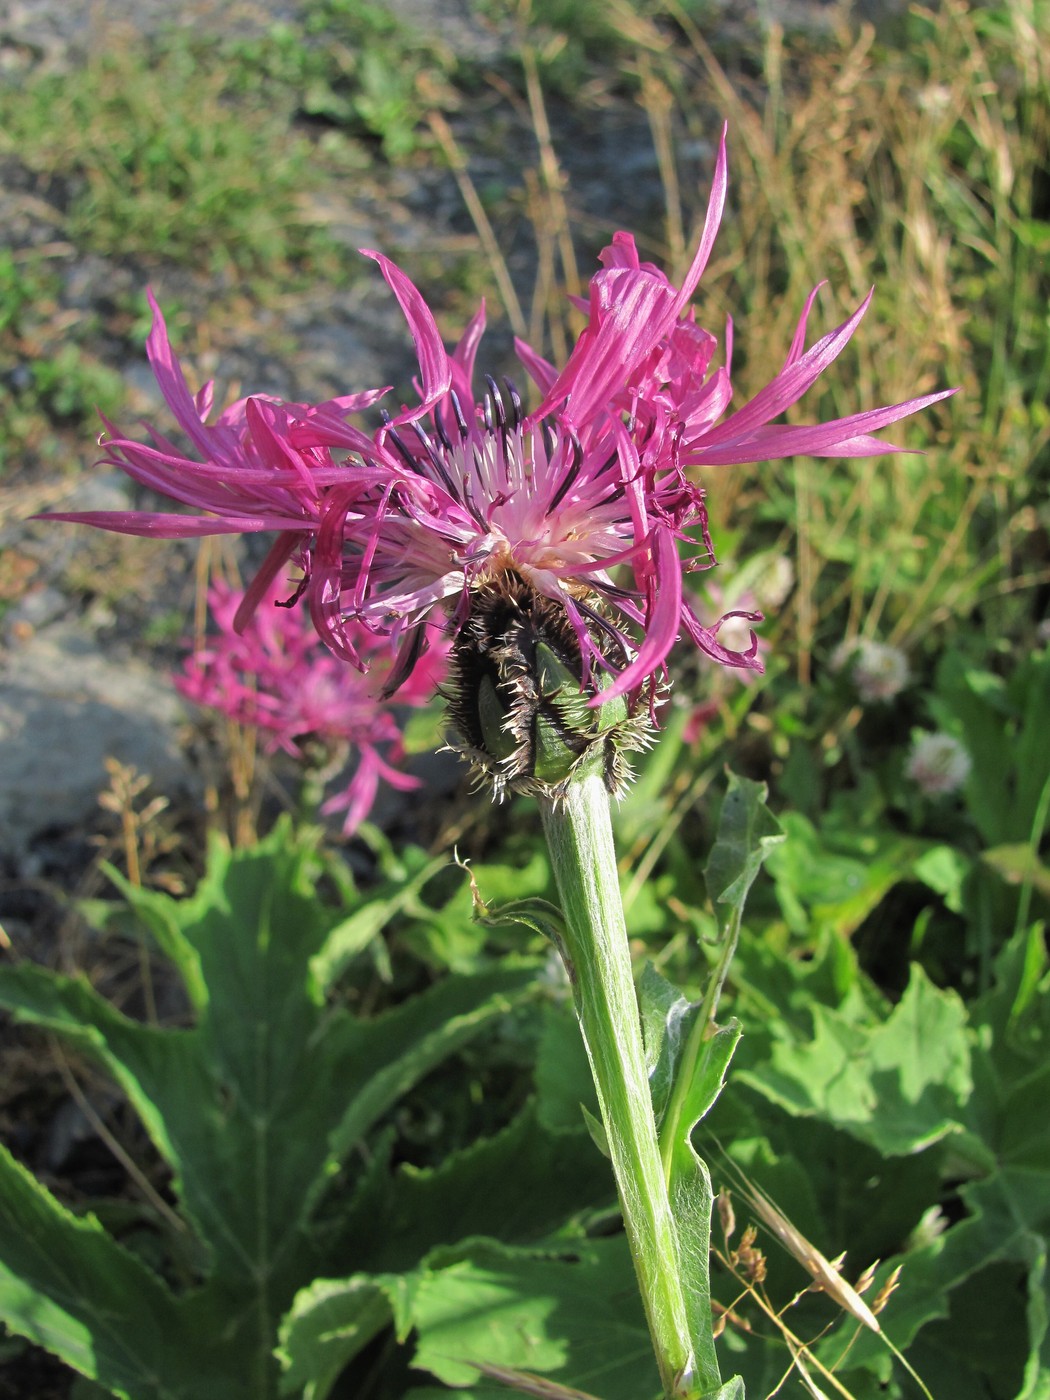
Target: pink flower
276, 676
593, 480
588, 499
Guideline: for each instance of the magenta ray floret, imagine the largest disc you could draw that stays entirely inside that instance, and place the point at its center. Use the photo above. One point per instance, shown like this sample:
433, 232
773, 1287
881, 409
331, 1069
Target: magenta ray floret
590, 499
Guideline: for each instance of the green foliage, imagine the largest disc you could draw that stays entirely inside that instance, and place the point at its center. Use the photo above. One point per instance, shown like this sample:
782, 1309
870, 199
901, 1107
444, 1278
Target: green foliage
914, 167
47, 376
578, 43
158, 161
1001, 722
695, 1058
354, 65
568, 1310
905, 1130
65, 1283
71, 387
257, 1108
23, 284
938, 1100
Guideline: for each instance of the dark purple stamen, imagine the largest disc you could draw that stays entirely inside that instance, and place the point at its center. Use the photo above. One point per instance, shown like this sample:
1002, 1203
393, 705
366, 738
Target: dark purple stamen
442, 432
410, 652
494, 405
468, 500
434, 456
572, 473
457, 409
613, 590
614, 495
517, 413
402, 448
606, 626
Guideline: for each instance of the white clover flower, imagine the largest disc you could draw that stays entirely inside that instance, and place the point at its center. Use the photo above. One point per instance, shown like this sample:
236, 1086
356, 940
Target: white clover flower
878, 671
938, 764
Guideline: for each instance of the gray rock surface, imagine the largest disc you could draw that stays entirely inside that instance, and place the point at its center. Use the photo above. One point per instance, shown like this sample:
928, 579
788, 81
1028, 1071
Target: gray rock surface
65, 707
51, 26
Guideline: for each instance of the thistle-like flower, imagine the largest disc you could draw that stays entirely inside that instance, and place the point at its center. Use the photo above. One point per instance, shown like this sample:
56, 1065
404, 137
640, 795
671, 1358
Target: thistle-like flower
589, 501
277, 677
591, 485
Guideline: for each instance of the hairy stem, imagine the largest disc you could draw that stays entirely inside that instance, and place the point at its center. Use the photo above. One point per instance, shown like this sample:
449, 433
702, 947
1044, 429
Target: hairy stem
579, 835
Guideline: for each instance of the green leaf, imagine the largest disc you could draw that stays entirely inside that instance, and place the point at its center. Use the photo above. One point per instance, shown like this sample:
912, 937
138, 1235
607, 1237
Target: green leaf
568, 1312
66, 1285
1007, 1217
158, 913
688, 1055
1035, 234
689, 1184
573, 1316
944, 869
330, 1323
900, 1085
563, 1079
747, 834
1016, 1009
518, 1186
971, 1306
473, 1392
732, 1390
667, 1017
374, 1063
450, 937
539, 916
776, 989
353, 934
824, 885
1003, 725
257, 1106
1019, 864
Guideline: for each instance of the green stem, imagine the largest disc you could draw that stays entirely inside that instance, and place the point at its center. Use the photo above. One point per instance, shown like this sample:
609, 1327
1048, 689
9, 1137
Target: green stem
579, 834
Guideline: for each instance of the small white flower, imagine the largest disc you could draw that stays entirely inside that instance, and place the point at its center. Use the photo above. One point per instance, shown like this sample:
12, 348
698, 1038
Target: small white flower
938, 764
878, 672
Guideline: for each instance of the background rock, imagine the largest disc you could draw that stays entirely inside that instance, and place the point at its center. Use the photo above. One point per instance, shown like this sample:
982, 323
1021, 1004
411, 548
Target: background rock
65, 707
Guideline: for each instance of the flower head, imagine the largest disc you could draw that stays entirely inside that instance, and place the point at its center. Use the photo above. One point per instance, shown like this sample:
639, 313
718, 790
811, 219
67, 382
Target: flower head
590, 501
276, 676
593, 485
938, 764
878, 671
